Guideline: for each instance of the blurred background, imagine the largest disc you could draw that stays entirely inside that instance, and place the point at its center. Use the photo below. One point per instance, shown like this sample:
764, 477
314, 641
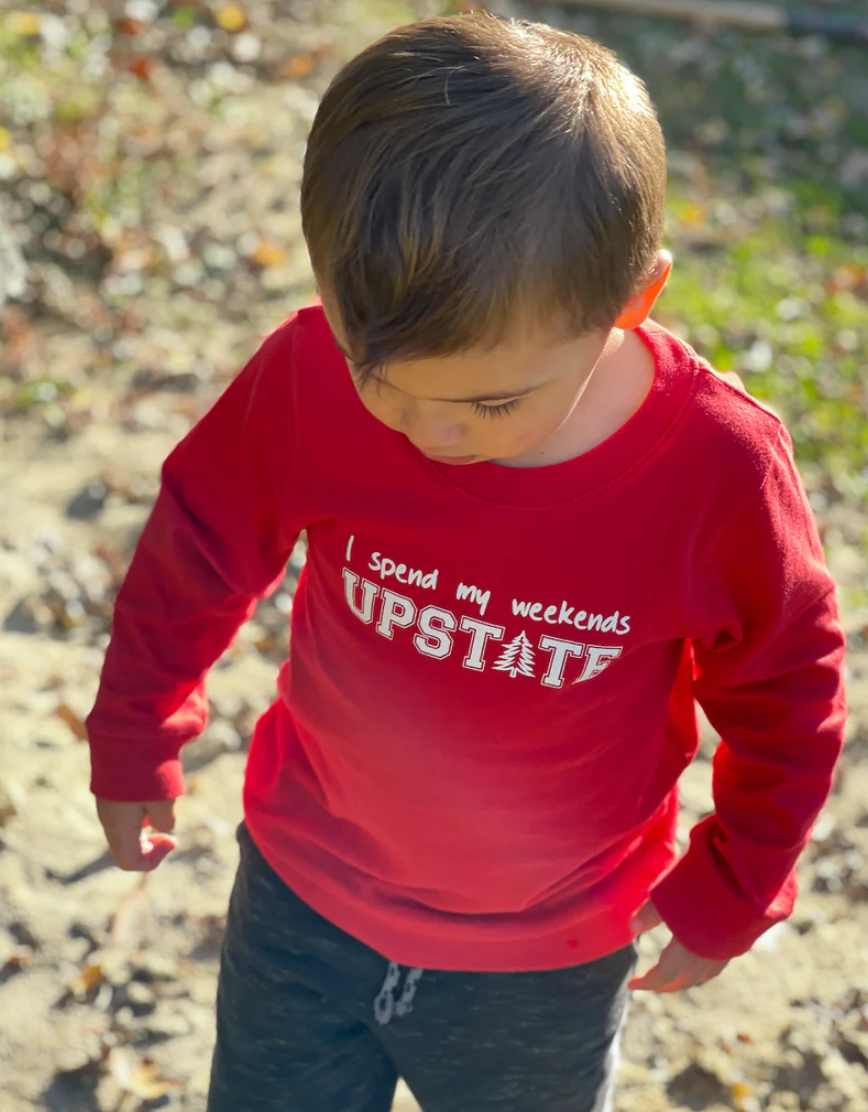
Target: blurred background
150, 158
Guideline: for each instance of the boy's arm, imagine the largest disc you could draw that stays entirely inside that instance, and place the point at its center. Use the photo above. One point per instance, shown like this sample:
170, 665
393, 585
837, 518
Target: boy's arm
219, 536
769, 677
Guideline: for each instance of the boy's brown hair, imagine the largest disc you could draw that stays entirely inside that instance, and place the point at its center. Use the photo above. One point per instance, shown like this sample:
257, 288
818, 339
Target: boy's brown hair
468, 177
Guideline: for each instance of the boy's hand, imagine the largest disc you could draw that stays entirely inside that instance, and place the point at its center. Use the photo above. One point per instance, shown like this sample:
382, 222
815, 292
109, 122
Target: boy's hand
677, 968
134, 849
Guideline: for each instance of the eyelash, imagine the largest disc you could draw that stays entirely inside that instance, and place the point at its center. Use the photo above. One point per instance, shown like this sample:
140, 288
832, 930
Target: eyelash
480, 410
494, 410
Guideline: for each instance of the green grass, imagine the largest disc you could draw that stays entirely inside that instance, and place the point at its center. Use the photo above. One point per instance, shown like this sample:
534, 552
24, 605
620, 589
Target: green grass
768, 220
789, 313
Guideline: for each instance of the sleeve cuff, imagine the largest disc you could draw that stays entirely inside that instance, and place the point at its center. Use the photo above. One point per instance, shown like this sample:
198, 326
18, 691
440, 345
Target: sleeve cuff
701, 903
130, 771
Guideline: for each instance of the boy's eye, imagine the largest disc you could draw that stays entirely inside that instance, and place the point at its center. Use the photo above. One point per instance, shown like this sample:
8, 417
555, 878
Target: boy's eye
502, 410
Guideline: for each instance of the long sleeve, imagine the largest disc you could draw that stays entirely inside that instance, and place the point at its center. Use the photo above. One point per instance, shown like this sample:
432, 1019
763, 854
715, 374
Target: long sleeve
218, 538
769, 677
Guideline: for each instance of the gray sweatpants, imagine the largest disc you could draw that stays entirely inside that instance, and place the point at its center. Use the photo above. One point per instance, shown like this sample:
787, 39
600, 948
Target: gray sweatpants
311, 1020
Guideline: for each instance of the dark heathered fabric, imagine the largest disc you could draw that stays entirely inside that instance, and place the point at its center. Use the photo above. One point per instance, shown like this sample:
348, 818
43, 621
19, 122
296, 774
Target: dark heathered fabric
311, 1020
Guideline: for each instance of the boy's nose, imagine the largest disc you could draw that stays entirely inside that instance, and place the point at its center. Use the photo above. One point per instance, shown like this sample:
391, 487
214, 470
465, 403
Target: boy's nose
429, 434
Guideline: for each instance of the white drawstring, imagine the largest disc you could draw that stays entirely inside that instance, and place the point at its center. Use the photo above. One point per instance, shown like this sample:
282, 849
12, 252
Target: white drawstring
385, 1004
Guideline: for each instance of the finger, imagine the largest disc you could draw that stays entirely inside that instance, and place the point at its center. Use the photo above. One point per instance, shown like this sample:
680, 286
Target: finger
645, 919
155, 848
133, 849
669, 972
123, 830
161, 815
657, 980
145, 854
708, 971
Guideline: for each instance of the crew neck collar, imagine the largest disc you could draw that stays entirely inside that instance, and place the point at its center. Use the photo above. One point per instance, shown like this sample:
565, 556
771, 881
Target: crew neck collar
626, 448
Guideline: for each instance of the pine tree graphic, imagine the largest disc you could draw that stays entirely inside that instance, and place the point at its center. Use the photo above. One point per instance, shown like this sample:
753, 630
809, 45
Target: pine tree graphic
517, 658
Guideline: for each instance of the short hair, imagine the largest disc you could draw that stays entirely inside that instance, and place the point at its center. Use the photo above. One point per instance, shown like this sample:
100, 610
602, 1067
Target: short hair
467, 177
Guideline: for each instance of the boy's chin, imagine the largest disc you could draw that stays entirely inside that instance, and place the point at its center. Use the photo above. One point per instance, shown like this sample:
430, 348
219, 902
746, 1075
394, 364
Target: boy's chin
456, 461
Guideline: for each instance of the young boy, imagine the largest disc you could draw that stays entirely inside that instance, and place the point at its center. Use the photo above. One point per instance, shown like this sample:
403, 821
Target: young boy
539, 528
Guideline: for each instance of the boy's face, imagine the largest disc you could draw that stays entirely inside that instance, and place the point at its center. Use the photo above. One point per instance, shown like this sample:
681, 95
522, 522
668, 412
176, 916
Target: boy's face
483, 405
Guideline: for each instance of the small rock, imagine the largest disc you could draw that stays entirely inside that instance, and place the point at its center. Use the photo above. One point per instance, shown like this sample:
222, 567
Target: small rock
145, 11
224, 734
823, 828
89, 502
124, 1020
173, 241
8, 808
246, 48
151, 967
140, 998
767, 943
21, 618
168, 1025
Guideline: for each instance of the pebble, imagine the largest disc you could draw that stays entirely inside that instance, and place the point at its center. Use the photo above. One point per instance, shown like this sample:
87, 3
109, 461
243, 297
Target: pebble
168, 1025
150, 967
767, 943
140, 998
246, 48
173, 242
125, 1021
77, 1058
89, 502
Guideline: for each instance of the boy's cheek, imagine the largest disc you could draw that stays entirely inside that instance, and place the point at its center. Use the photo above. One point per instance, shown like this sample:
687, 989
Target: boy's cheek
381, 412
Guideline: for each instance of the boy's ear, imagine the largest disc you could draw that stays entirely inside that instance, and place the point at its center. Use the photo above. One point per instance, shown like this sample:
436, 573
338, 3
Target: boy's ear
638, 308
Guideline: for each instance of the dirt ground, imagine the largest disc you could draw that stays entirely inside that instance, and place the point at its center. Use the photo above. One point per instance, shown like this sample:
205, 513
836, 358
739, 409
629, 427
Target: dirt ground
106, 980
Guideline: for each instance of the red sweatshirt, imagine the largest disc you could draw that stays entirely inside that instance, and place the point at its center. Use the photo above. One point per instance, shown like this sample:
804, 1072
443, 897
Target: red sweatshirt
472, 759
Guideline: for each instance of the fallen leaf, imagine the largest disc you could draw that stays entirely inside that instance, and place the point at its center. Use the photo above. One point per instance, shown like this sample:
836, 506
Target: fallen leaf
66, 714
231, 17
89, 979
743, 1097
130, 27
139, 1077
298, 66
142, 67
267, 254
14, 961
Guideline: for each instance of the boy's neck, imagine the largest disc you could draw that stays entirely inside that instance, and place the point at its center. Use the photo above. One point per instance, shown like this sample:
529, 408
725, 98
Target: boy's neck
616, 389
